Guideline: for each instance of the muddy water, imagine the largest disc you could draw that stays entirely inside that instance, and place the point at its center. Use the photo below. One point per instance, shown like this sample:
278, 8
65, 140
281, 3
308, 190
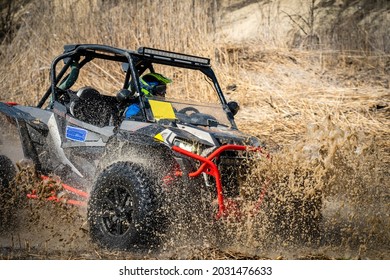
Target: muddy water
344, 169
349, 170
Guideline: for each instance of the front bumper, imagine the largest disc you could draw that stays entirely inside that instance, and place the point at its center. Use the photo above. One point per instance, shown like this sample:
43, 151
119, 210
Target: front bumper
209, 167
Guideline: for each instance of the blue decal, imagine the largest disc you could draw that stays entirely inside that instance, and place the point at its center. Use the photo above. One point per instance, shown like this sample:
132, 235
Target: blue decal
76, 134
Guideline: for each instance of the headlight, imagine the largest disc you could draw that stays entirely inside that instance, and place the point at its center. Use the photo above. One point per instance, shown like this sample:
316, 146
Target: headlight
184, 145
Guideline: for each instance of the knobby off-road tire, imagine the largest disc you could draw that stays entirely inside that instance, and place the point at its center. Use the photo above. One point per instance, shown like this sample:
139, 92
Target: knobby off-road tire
7, 171
124, 210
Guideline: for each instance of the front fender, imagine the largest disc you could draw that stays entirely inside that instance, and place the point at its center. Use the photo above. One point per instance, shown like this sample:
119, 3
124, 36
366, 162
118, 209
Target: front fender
142, 149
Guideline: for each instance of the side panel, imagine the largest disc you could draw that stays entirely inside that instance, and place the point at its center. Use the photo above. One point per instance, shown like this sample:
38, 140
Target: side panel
58, 142
80, 145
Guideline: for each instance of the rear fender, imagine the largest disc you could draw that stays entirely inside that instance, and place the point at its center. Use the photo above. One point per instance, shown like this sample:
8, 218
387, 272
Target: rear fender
16, 126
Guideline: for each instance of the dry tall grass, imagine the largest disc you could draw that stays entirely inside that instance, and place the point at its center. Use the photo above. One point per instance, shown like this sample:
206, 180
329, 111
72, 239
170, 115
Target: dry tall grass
283, 93
47, 26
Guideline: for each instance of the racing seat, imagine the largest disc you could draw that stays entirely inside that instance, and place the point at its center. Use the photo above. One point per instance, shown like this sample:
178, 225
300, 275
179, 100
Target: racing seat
91, 107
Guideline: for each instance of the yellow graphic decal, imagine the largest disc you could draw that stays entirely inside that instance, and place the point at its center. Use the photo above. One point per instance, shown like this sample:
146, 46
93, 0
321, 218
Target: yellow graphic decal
159, 137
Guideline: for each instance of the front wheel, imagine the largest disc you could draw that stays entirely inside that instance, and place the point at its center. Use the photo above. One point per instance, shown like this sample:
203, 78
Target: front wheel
125, 209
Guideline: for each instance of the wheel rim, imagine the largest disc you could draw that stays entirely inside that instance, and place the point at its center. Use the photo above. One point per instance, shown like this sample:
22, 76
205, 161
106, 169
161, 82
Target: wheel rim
117, 210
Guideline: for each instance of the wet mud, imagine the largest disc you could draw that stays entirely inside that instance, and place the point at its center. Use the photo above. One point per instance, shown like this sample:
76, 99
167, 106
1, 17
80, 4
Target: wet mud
342, 171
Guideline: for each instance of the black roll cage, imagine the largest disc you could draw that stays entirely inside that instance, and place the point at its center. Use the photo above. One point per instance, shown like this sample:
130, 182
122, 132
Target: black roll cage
136, 61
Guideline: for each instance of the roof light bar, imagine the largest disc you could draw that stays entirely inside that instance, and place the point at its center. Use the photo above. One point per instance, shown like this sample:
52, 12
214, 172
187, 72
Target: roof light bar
174, 56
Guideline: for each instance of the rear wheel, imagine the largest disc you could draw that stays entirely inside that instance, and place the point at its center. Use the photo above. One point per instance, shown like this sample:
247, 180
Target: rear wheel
7, 174
7, 171
125, 209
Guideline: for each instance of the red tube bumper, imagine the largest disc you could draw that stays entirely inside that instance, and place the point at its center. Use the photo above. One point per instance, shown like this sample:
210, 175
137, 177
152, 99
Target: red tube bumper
210, 168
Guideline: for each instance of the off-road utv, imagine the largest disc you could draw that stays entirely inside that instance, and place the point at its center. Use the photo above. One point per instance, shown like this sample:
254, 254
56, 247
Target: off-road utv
183, 149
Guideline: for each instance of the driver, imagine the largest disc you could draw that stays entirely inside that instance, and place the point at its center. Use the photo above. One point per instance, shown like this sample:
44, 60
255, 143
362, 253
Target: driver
152, 84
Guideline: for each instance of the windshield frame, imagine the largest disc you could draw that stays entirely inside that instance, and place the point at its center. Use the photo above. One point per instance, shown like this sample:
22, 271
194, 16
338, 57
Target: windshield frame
142, 64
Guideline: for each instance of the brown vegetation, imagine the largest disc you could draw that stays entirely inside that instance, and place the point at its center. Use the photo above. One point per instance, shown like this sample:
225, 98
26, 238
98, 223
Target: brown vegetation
322, 108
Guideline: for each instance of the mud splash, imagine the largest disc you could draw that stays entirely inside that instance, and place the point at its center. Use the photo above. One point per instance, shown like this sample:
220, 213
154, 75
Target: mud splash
345, 173
34, 228
339, 173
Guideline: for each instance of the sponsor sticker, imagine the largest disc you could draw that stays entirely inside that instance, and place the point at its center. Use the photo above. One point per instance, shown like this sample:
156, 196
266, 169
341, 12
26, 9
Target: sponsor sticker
76, 134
